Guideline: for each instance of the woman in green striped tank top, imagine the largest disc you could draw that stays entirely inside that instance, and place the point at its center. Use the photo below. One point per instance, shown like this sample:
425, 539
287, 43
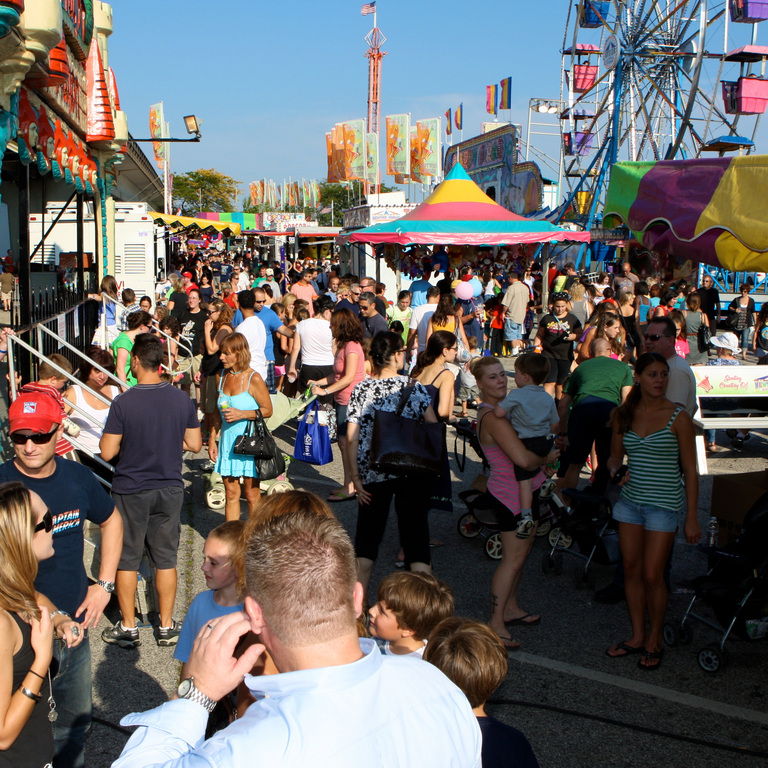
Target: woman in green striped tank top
657, 437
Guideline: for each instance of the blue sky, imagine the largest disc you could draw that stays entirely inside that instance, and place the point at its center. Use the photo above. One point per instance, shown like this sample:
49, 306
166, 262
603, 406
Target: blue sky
268, 79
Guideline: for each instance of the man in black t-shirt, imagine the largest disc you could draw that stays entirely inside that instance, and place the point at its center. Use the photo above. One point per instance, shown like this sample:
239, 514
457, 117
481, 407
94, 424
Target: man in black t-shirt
73, 495
192, 322
554, 339
710, 302
149, 427
372, 321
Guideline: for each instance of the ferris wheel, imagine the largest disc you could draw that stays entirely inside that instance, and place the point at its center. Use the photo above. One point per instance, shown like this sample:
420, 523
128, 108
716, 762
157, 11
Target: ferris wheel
655, 80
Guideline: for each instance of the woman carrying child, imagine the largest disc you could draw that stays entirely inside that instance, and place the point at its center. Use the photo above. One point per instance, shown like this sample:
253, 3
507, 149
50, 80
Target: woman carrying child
503, 449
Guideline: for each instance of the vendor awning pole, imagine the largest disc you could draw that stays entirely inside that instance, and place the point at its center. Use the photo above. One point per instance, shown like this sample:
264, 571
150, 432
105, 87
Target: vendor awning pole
545, 278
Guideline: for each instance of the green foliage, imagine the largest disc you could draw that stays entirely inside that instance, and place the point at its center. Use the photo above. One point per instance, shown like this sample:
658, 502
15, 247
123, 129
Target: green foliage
204, 190
343, 196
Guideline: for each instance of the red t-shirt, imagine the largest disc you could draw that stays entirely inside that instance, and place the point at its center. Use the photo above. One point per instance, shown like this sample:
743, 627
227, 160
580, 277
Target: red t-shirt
306, 292
339, 366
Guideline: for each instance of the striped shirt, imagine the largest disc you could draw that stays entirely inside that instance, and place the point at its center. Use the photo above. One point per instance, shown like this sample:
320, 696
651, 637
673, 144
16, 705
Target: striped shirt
654, 468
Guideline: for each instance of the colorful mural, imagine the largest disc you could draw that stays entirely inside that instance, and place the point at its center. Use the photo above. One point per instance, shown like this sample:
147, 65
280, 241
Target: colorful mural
490, 160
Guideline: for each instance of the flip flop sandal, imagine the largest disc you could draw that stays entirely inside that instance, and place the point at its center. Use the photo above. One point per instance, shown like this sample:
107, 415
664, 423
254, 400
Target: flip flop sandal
339, 496
629, 650
520, 621
650, 656
509, 644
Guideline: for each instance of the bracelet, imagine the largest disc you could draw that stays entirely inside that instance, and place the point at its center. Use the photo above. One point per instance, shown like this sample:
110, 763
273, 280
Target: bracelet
32, 672
34, 696
60, 613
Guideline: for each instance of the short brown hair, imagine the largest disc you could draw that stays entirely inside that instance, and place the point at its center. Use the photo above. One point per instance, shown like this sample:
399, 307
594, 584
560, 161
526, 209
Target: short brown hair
470, 654
418, 600
273, 506
302, 570
479, 364
47, 371
237, 344
534, 365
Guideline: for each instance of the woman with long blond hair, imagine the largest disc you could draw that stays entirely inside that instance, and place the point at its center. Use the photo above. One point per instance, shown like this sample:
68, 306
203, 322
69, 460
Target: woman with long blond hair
26, 630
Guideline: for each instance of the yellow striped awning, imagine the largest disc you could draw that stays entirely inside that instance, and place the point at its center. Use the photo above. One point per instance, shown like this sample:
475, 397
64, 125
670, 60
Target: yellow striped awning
185, 222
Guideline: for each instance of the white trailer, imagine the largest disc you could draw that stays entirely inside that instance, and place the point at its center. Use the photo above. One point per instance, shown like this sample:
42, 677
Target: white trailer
139, 258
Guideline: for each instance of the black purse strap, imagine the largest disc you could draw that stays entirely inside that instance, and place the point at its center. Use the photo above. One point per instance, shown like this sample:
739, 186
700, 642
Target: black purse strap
405, 396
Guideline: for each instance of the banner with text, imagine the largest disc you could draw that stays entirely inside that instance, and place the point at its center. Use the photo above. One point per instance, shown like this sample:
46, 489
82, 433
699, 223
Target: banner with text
430, 140
355, 158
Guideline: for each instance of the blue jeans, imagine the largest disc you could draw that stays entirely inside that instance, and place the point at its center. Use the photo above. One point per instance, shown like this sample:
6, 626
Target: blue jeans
73, 696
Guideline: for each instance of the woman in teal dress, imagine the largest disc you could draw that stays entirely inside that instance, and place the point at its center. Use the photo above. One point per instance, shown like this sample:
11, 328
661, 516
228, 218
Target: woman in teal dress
242, 392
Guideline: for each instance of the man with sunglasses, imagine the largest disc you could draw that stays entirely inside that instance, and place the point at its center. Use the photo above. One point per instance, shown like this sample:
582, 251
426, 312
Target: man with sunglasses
73, 495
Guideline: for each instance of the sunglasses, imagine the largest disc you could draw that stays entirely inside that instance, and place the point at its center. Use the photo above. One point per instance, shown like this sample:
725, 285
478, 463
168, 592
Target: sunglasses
356, 293
19, 439
655, 336
46, 524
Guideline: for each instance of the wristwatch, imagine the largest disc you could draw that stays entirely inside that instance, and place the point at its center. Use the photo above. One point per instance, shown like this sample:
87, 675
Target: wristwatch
109, 586
188, 690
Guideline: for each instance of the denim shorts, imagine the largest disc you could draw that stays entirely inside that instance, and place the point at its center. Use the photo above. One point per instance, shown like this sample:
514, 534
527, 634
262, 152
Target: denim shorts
513, 331
650, 517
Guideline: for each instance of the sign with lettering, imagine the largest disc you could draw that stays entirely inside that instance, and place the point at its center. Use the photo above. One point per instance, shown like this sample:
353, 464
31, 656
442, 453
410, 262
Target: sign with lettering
730, 380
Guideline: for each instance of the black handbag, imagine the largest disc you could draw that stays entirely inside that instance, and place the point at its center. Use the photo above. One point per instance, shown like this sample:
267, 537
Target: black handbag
406, 447
269, 469
703, 337
256, 441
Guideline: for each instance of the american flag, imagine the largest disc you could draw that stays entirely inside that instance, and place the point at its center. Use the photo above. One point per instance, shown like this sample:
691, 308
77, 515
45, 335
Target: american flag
368, 8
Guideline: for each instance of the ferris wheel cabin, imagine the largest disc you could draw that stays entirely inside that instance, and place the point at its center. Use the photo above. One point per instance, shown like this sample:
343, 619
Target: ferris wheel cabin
749, 11
595, 14
749, 94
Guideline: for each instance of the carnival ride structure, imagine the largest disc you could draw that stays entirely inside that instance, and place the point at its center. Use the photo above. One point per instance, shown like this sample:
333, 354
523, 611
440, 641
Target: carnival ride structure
651, 80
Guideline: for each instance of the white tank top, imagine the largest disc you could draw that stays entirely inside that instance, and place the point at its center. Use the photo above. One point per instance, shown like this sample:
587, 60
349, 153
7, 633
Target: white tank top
90, 434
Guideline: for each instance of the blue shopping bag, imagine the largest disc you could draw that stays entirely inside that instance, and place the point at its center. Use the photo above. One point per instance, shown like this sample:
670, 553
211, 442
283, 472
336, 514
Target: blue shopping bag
313, 443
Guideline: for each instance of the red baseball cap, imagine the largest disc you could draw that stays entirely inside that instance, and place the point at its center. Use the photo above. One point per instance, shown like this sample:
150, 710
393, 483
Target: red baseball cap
187, 274
36, 411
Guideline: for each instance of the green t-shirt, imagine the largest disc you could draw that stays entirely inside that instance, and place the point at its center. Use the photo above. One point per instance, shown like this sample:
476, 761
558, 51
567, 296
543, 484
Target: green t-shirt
123, 341
404, 316
601, 377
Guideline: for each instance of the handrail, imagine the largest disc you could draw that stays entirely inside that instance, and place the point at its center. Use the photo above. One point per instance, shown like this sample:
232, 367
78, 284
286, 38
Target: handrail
118, 305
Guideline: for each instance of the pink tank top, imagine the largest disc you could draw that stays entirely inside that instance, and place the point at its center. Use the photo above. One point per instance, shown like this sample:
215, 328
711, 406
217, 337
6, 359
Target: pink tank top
502, 483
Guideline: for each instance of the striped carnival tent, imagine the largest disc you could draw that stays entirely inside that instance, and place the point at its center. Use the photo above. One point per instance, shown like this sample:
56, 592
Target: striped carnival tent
458, 212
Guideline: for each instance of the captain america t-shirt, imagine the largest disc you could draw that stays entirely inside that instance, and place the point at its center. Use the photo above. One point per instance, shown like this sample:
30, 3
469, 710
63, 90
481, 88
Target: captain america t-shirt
74, 495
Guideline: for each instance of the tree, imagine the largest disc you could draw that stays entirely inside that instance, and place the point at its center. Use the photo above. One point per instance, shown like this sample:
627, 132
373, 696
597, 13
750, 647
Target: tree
343, 196
204, 190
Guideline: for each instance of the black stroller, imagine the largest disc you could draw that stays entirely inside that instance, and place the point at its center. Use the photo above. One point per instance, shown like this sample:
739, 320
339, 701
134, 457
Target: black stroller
587, 522
736, 589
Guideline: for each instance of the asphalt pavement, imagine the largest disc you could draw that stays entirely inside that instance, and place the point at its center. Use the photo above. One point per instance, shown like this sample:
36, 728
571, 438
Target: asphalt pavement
576, 706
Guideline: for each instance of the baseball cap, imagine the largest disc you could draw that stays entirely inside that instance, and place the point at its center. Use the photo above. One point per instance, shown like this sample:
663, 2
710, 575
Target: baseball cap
187, 274
36, 411
270, 272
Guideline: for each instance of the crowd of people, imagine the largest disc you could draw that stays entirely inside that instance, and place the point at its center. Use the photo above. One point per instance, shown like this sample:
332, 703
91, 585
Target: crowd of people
602, 377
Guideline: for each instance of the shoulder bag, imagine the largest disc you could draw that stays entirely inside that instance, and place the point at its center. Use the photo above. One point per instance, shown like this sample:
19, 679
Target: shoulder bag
256, 441
407, 447
704, 335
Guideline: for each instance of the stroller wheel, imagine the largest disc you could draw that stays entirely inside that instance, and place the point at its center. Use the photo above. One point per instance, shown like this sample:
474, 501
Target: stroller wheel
711, 658
279, 486
547, 563
493, 547
670, 635
543, 528
684, 634
469, 526
565, 541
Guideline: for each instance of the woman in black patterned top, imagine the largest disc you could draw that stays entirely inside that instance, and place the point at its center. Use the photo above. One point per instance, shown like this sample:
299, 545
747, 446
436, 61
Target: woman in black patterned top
375, 490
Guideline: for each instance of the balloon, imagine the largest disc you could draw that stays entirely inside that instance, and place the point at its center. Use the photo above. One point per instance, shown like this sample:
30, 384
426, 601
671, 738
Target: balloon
477, 287
465, 291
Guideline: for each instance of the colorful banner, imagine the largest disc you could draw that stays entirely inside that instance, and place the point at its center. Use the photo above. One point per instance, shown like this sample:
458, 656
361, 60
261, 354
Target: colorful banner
416, 157
354, 149
156, 126
372, 158
430, 141
730, 380
506, 88
491, 93
459, 117
398, 145
448, 123
338, 161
